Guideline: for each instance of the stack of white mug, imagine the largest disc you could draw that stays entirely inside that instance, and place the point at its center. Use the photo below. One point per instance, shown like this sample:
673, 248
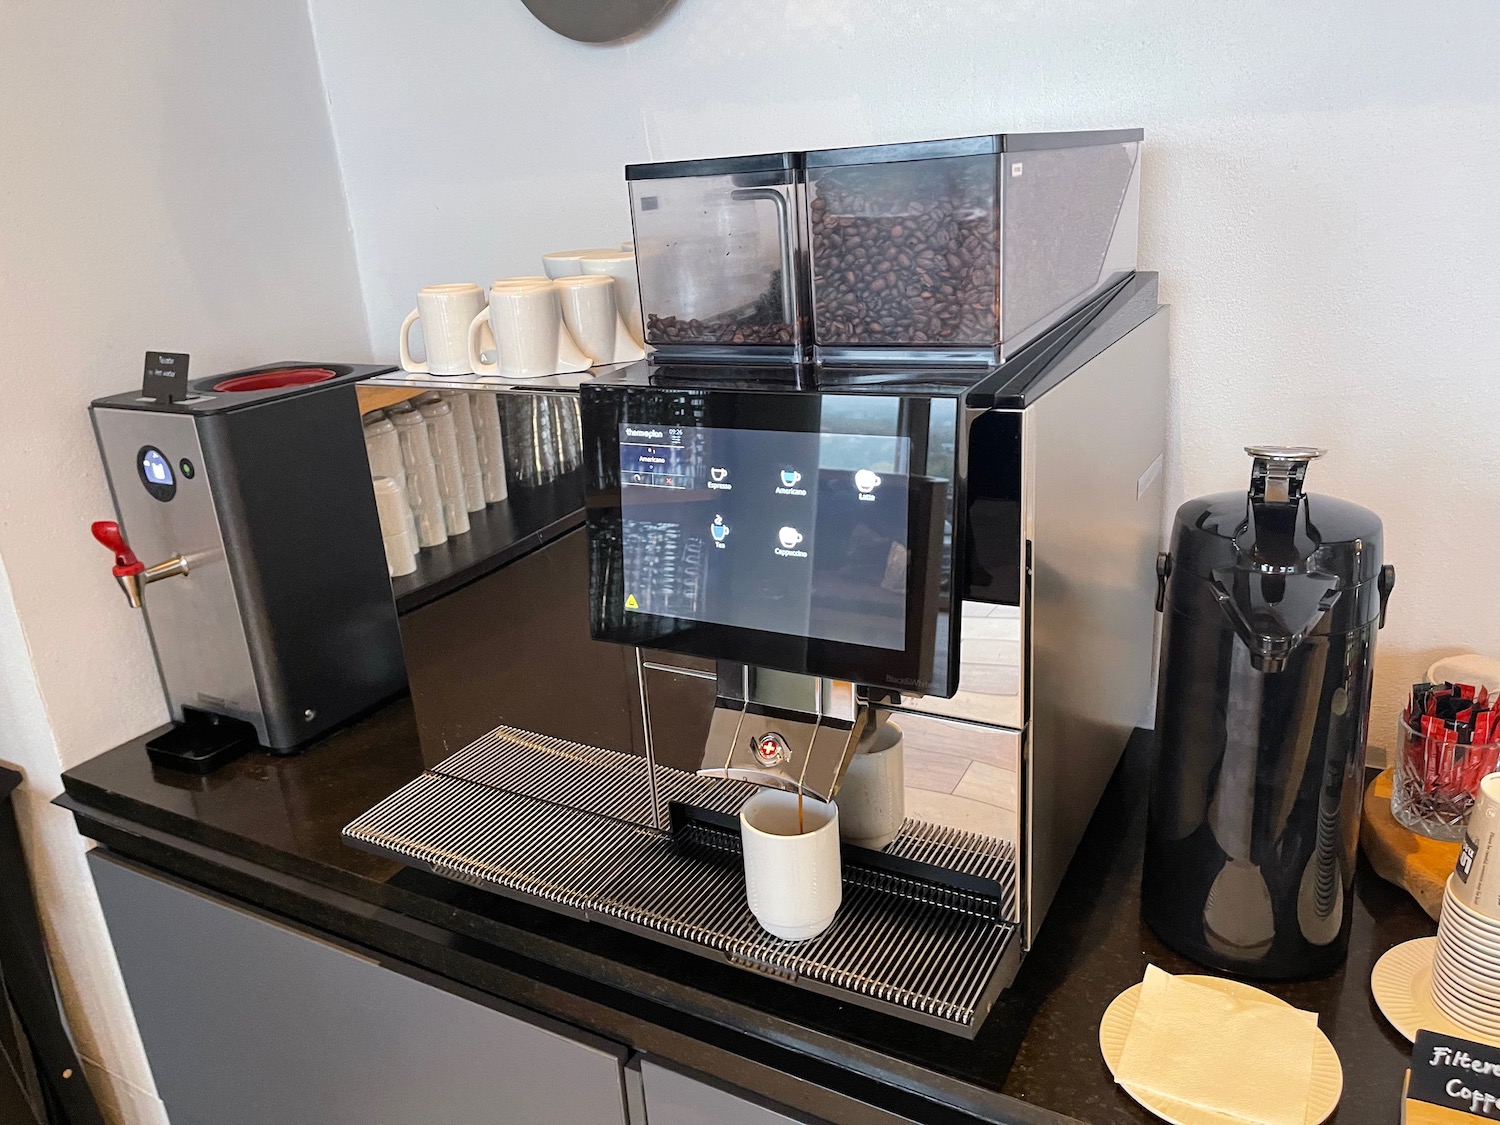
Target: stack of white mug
1466, 966
585, 311
434, 460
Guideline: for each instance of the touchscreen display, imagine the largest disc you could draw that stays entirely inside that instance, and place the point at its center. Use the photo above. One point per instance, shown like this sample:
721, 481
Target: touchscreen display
803, 534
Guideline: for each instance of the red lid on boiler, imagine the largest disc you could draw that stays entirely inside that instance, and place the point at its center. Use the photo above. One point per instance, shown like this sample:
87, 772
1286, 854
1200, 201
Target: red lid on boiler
276, 378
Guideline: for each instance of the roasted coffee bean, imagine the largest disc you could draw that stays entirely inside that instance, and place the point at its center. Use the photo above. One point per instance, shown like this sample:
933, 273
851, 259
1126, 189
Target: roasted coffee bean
762, 322
904, 258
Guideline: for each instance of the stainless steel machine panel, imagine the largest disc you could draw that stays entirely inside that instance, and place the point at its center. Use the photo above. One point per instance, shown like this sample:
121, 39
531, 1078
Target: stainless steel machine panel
208, 662
1093, 449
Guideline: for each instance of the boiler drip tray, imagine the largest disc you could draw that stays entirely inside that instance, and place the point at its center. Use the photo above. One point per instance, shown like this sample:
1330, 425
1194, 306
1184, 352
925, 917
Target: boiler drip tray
926, 930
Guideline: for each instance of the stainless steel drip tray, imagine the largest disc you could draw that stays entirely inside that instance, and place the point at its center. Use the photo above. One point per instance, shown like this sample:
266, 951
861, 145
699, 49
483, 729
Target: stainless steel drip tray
923, 951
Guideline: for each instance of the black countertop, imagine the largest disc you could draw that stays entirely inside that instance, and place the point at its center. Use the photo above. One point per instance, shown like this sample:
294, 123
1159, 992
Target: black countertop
265, 831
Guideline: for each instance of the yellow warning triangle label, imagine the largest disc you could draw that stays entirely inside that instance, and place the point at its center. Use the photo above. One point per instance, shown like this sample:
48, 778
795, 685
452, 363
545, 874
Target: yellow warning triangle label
631, 603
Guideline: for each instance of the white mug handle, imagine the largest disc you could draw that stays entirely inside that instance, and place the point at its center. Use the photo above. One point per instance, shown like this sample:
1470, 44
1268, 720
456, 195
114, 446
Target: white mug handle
476, 349
407, 363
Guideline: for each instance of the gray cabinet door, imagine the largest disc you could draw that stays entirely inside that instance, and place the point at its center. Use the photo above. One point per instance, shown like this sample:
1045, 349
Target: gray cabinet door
249, 1022
675, 1099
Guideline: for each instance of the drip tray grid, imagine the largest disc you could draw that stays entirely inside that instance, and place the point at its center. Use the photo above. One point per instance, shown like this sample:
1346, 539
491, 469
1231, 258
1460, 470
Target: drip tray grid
935, 951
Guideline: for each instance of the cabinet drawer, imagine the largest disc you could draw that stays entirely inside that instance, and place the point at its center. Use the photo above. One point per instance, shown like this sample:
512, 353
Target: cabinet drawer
675, 1099
247, 1021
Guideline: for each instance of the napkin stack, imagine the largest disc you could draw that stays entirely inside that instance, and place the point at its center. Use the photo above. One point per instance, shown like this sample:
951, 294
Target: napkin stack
1244, 1059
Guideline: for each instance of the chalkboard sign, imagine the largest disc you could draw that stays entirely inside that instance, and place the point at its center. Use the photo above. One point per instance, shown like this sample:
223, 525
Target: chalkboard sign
1460, 1079
166, 376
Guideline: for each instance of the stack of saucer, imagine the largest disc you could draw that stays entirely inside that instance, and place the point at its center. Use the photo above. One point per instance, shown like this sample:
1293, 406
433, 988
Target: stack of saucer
1466, 966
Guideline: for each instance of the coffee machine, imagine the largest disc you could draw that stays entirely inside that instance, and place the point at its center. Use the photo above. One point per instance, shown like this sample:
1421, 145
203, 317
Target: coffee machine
768, 560
246, 533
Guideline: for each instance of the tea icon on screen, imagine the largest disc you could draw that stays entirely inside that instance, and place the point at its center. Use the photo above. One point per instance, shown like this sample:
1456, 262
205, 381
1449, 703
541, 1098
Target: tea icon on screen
719, 529
790, 477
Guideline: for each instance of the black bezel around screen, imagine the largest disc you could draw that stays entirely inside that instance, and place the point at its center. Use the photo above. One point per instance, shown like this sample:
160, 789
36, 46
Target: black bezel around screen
928, 661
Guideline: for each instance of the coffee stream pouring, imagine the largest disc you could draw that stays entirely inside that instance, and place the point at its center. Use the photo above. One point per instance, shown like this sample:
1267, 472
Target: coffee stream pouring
1273, 598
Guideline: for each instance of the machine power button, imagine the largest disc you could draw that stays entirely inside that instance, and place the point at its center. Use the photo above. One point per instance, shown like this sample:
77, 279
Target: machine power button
771, 750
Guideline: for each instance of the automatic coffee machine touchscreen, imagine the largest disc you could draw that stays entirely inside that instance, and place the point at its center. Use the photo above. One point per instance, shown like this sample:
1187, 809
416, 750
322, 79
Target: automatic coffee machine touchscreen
797, 533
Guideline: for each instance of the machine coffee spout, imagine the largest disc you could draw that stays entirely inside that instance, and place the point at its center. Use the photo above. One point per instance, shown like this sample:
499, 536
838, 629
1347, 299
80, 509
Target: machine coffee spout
132, 574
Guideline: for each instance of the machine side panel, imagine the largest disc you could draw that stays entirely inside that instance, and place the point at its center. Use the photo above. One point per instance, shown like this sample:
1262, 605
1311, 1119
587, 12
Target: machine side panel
196, 629
291, 479
1093, 451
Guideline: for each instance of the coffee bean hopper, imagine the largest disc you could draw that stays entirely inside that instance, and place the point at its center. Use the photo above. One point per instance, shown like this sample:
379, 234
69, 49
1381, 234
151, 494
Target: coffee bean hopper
719, 251
965, 250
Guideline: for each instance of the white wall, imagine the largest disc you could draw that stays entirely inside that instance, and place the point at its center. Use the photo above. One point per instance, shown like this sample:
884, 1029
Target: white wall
1320, 197
167, 180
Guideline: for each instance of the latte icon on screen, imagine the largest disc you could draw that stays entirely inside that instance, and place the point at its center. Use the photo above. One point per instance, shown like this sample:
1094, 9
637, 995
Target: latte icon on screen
866, 481
789, 536
790, 477
719, 529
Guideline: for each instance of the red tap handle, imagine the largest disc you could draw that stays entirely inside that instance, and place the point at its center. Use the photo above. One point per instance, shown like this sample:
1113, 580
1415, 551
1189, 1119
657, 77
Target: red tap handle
108, 533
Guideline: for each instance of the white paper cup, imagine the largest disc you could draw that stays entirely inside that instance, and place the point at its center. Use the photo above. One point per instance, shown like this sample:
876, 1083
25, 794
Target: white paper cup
485, 409
1476, 879
397, 529
588, 309
383, 448
468, 447
1470, 668
792, 879
872, 799
422, 489
450, 468
446, 311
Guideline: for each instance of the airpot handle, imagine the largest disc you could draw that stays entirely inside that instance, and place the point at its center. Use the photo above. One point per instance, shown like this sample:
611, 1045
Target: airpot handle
1278, 472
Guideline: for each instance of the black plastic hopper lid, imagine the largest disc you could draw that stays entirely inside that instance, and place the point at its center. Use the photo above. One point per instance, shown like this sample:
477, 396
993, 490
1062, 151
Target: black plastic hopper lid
1277, 559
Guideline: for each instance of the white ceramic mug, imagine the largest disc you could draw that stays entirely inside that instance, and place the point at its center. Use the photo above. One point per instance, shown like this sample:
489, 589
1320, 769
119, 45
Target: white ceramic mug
1476, 879
588, 309
872, 798
525, 325
792, 879
446, 311
565, 263
620, 265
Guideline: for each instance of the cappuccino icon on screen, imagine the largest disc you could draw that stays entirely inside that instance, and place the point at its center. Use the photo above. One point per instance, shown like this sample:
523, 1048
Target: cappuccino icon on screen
789, 536
866, 481
790, 477
717, 473
719, 529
